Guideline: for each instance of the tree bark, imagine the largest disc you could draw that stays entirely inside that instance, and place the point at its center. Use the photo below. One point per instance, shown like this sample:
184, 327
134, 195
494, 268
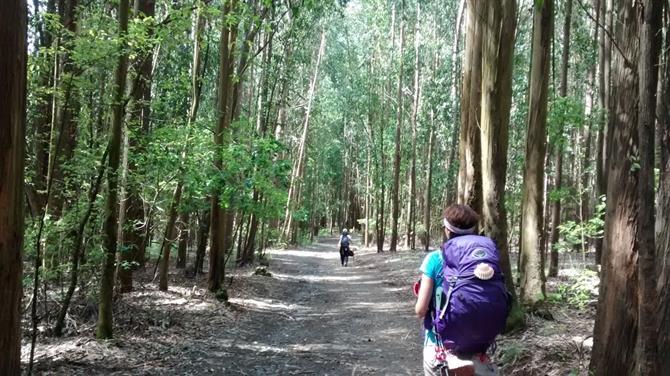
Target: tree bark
42, 117
604, 61
650, 42
203, 236
395, 195
132, 254
78, 237
558, 177
13, 30
66, 112
663, 214
429, 180
616, 327
532, 208
297, 175
220, 216
411, 223
469, 174
498, 36
105, 309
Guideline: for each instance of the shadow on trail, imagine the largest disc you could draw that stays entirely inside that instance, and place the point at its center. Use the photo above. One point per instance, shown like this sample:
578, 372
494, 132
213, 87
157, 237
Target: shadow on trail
317, 317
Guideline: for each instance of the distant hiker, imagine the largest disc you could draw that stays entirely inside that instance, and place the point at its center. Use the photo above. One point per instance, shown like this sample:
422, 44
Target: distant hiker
343, 244
461, 298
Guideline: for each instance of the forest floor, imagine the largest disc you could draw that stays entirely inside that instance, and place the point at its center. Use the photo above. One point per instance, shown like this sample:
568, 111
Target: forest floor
310, 316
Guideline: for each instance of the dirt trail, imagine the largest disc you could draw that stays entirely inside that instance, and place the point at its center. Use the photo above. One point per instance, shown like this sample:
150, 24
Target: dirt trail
317, 317
311, 317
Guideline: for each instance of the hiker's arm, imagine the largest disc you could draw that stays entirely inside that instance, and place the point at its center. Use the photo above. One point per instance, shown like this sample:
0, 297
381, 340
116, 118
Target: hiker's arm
423, 299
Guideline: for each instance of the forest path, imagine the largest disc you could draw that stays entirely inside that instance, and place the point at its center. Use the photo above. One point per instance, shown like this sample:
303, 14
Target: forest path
311, 317
317, 317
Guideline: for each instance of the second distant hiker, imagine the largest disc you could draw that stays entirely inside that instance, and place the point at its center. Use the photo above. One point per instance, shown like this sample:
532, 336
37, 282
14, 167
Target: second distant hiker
343, 244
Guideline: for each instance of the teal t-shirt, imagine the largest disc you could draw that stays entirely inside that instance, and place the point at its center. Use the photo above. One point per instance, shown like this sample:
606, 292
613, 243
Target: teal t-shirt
432, 268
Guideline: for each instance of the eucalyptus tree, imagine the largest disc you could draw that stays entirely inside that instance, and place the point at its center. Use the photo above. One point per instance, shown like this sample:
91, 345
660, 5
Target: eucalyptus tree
663, 213
105, 309
627, 311
469, 175
497, 52
558, 173
532, 220
134, 223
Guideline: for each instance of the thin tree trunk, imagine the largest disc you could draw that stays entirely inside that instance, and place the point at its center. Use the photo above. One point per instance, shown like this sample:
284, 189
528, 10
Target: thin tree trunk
78, 245
558, 177
203, 236
220, 217
105, 309
42, 116
132, 253
395, 196
296, 176
429, 180
65, 111
663, 214
411, 223
604, 60
169, 235
184, 232
650, 43
13, 31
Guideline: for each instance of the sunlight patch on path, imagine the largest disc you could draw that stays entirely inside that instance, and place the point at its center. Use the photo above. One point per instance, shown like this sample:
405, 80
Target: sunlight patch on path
318, 278
328, 255
270, 304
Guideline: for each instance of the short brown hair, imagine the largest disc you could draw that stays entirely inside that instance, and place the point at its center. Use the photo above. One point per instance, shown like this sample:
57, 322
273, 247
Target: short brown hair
461, 216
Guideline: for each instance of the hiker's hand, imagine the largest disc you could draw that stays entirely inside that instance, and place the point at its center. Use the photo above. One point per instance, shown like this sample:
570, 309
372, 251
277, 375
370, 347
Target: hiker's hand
423, 298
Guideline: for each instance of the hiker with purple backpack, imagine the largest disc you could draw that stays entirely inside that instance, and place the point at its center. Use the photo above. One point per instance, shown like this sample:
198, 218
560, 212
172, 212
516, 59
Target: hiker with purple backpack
461, 298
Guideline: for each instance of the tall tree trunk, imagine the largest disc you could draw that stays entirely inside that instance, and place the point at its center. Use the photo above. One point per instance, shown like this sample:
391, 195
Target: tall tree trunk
498, 47
604, 61
13, 30
532, 217
169, 235
368, 199
558, 177
395, 196
66, 112
663, 214
297, 175
470, 170
429, 180
168, 238
411, 223
381, 216
650, 43
132, 255
220, 223
42, 118
203, 236
105, 309
616, 328
78, 236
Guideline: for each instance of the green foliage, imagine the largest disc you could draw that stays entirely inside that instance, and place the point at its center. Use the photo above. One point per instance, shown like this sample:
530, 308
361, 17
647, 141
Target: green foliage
580, 291
565, 116
575, 233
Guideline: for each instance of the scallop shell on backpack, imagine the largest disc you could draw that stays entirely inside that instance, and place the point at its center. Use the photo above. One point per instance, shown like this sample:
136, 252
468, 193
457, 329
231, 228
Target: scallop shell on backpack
484, 271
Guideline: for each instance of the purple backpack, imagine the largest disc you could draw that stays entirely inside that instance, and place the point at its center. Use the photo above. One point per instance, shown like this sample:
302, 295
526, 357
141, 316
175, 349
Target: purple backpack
472, 306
